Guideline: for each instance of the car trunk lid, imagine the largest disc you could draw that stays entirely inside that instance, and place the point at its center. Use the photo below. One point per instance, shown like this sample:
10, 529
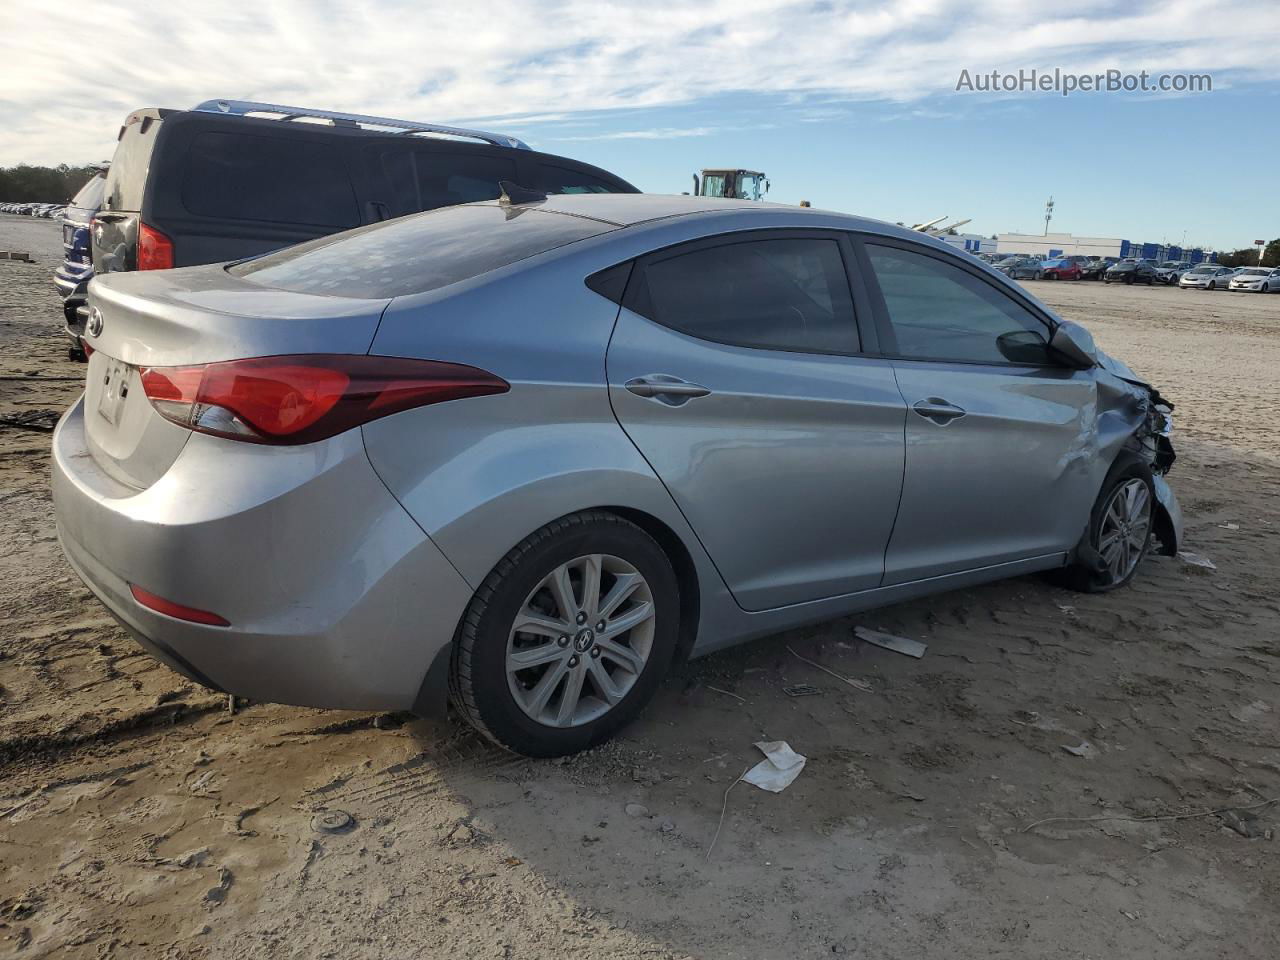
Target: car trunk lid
195, 315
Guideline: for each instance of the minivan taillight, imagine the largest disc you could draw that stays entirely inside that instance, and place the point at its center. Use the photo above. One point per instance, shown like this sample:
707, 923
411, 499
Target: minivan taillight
301, 399
155, 249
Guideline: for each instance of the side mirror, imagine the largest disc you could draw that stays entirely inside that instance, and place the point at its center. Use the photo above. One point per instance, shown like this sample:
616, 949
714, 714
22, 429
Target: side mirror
1075, 345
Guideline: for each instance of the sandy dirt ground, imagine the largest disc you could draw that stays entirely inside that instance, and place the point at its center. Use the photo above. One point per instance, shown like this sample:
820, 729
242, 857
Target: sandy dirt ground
138, 818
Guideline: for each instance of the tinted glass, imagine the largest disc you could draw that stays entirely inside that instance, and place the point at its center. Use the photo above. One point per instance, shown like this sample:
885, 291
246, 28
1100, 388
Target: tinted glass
554, 179
940, 311
417, 253
128, 174
90, 195
236, 176
784, 294
445, 179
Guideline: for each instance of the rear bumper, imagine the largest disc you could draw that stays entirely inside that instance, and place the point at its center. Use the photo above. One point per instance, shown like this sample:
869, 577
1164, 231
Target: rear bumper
335, 596
72, 279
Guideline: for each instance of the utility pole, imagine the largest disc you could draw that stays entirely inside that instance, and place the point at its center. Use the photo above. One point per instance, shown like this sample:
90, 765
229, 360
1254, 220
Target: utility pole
1048, 215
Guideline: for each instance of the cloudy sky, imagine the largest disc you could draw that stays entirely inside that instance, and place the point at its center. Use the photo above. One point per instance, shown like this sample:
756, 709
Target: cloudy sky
852, 105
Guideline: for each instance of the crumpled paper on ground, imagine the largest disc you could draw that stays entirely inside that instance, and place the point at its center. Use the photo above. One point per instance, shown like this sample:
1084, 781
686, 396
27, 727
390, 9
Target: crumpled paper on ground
779, 768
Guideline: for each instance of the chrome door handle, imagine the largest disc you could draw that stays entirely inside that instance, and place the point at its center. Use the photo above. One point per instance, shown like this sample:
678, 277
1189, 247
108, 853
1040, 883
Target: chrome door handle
938, 410
661, 386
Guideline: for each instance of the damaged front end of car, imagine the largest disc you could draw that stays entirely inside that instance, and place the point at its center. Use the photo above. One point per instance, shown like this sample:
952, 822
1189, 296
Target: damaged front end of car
1134, 417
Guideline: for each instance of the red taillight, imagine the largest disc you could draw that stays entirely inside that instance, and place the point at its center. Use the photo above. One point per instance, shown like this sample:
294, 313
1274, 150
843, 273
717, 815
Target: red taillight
301, 399
155, 249
176, 610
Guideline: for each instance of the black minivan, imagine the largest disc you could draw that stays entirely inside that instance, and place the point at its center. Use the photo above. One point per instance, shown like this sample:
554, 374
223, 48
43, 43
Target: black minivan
232, 179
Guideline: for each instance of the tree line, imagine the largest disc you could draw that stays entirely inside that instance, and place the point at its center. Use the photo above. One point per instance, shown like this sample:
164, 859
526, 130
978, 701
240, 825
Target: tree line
1248, 256
30, 184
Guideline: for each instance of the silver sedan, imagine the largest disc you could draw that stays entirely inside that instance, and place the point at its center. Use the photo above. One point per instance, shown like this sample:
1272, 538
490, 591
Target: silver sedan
526, 454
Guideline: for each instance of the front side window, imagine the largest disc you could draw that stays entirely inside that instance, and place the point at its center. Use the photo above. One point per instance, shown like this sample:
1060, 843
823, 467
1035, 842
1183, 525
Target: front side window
789, 293
939, 311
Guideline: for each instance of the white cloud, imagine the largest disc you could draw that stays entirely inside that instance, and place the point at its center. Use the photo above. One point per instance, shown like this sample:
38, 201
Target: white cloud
547, 61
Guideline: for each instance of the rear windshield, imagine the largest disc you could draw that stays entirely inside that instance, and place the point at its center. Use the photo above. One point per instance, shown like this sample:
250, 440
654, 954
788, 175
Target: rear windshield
417, 253
127, 177
90, 195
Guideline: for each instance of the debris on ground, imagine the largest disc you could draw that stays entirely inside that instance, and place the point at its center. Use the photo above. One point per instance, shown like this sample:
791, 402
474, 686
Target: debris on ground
727, 693
904, 645
801, 690
636, 810
778, 769
1083, 749
856, 684
332, 821
1245, 823
1196, 560
42, 421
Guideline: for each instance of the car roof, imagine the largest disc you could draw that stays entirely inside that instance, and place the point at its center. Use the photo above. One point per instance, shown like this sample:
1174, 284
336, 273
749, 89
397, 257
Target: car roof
629, 209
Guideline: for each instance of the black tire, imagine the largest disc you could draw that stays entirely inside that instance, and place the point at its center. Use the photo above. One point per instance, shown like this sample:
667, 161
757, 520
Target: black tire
1086, 572
1128, 279
1211, 286
76, 354
478, 685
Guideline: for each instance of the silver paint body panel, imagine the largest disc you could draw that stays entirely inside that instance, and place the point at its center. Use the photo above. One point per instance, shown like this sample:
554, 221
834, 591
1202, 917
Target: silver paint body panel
802, 487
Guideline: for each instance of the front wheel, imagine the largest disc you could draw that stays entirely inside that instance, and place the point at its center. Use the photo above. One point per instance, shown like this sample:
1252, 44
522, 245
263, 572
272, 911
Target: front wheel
1211, 286
1119, 533
567, 639
1038, 276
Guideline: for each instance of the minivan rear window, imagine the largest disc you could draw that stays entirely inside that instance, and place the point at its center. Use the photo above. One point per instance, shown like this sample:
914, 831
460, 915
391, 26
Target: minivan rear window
127, 177
236, 176
417, 253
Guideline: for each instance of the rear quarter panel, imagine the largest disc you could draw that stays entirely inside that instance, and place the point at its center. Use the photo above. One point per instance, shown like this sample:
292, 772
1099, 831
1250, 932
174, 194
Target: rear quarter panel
481, 474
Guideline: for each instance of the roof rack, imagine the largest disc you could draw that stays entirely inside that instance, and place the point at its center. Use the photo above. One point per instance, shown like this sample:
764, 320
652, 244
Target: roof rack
404, 127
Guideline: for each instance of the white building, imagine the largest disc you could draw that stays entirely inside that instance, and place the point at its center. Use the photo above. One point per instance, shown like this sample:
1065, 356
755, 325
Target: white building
972, 242
1061, 245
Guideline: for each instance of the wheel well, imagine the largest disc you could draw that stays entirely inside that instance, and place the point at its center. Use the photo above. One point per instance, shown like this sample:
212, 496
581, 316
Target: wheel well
686, 572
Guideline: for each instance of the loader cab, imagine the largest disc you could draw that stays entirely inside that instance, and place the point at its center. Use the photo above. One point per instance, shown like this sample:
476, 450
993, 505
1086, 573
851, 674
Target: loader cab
736, 184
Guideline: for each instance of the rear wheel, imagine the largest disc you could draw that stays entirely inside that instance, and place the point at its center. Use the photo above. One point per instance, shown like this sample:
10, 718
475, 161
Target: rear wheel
1119, 533
568, 637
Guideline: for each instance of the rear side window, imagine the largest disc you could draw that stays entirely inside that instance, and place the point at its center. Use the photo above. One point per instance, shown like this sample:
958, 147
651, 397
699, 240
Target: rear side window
939, 311
784, 294
555, 179
417, 253
235, 176
426, 179
127, 178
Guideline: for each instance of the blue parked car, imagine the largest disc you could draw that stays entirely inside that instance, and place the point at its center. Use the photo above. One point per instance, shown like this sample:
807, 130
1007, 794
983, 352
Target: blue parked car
76, 270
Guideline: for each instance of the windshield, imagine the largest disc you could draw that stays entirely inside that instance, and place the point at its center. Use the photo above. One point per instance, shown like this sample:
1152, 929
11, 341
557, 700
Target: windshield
90, 195
1205, 270
1255, 272
416, 253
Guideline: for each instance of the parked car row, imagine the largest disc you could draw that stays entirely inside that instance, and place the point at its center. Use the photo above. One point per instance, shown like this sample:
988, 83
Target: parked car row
1131, 270
49, 211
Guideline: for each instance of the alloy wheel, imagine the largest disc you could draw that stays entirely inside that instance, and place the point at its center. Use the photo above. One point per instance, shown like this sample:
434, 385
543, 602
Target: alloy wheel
1126, 526
580, 640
